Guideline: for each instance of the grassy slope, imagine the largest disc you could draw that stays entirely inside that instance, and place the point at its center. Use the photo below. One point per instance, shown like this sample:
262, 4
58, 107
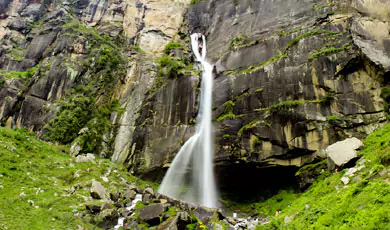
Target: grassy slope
32, 170
328, 204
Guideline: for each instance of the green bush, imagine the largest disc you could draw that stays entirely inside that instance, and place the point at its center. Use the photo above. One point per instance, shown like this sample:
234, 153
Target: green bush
107, 59
170, 46
74, 113
308, 34
385, 95
172, 67
2, 81
286, 105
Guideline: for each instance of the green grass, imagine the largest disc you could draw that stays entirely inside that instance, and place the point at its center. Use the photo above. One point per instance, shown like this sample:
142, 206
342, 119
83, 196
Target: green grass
17, 53
329, 204
196, 1
261, 65
24, 76
251, 125
385, 95
332, 118
170, 46
331, 50
228, 112
286, 105
242, 41
308, 34
318, 7
77, 27
32, 170
175, 67
137, 48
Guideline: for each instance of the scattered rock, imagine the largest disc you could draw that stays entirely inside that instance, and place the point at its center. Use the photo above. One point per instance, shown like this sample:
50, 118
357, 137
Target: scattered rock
351, 171
85, 158
204, 214
356, 179
93, 209
149, 190
146, 199
108, 217
98, 191
133, 187
75, 149
105, 179
114, 196
345, 180
124, 212
288, 219
231, 220
151, 214
180, 221
129, 195
83, 130
342, 152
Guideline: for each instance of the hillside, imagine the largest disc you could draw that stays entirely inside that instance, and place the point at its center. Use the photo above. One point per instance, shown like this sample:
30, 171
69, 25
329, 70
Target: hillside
43, 187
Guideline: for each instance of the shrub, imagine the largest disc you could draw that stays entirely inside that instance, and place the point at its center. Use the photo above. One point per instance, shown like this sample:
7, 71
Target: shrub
170, 46
73, 115
171, 67
385, 95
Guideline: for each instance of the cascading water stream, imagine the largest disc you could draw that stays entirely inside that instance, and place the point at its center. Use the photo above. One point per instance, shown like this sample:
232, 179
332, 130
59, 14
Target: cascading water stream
190, 176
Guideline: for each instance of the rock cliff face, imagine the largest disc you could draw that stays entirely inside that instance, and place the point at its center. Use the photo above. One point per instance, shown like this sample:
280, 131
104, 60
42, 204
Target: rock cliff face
291, 77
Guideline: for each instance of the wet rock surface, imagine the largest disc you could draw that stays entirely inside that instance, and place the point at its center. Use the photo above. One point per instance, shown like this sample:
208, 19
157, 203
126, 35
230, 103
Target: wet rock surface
290, 80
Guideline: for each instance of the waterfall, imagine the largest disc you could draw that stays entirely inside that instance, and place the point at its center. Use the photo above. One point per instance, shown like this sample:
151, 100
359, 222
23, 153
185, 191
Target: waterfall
190, 176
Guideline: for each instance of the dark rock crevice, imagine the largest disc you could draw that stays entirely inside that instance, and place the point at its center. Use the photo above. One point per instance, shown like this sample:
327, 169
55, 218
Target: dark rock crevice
249, 182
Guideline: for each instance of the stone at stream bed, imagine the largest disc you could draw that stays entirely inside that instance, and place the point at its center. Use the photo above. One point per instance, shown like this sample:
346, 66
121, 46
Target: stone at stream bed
151, 214
146, 199
342, 152
114, 196
98, 191
129, 195
107, 218
149, 190
178, 222
206, 214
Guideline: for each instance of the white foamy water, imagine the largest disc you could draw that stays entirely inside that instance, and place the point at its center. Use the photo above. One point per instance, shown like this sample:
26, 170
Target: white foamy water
138, 197
190, 176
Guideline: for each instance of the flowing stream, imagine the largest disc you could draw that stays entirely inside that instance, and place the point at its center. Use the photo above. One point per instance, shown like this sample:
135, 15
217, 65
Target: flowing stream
190, 176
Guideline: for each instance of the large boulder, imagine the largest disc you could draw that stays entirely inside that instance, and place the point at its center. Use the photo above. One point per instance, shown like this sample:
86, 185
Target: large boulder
98, 191
206, 215
180, 221
342, 152
107, 218
151, 214
129, 195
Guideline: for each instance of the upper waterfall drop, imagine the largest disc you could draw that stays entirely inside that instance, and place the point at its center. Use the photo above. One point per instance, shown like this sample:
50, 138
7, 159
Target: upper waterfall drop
191, 175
